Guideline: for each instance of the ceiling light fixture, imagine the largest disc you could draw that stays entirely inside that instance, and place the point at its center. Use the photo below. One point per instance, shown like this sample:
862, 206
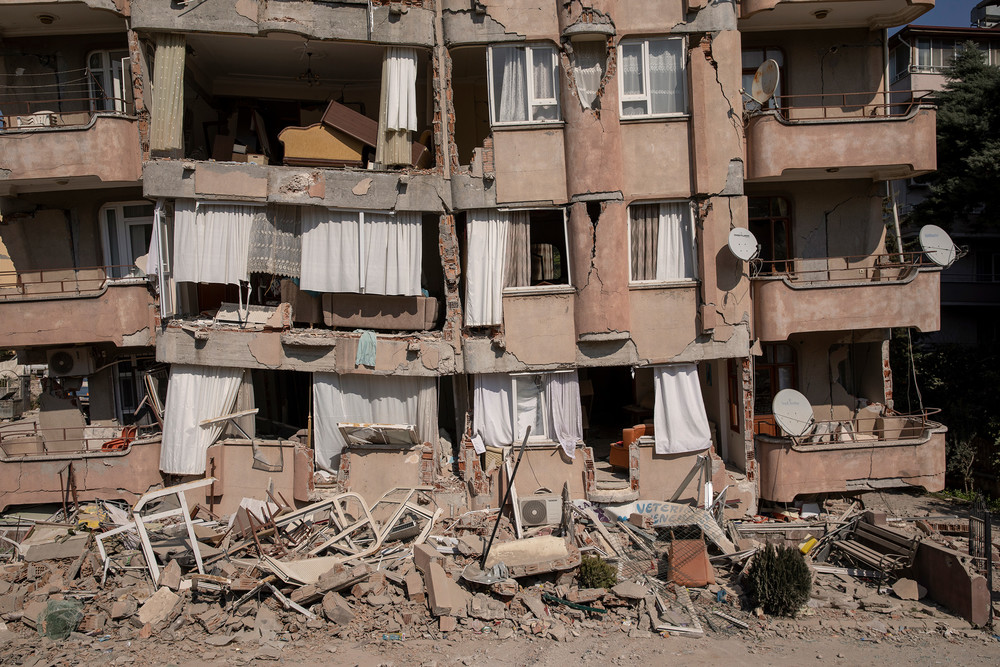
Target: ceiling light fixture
821, 13
47, 19
309, 77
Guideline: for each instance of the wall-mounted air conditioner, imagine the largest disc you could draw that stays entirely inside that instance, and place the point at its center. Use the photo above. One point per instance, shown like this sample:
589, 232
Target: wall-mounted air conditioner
70, 362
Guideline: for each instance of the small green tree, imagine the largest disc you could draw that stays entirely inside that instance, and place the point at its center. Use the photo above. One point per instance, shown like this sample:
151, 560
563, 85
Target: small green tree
595, 572
778, 580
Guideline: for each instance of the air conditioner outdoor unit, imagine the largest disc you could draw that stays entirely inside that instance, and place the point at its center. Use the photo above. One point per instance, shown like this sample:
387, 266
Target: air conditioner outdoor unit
70, 362
541, 509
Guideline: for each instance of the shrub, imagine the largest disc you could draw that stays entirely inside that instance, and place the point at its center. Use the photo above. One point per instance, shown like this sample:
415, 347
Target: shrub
595, 572
778, 580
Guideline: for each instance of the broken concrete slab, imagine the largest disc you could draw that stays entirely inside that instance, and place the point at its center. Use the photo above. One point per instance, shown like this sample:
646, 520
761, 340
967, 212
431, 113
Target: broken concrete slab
336, 609
171, 576
535, 555
414, 587
159, 607
629, 590
440, 596
908, 589
424, 555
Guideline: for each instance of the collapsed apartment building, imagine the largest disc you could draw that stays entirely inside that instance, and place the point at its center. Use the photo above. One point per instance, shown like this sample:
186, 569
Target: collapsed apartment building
404, 232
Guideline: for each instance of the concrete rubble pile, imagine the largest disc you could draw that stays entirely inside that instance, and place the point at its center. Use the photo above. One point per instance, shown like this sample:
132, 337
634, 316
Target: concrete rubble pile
272, 574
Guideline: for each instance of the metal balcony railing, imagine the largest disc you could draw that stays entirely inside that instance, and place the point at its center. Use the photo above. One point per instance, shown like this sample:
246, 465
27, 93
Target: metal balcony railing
894, 267
57, 111
83, 281
877, 105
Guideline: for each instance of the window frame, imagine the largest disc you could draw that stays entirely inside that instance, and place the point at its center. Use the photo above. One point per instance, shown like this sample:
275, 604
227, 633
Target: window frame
774, 371
766, 51
529, 92
114, 76
122, 238
543, 405
565, 261
623, 98
678, 282
788, 220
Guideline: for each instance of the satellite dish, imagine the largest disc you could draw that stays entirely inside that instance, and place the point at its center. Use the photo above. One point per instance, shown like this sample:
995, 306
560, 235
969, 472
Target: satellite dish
765, 82
792, 412
743, 244
937, 245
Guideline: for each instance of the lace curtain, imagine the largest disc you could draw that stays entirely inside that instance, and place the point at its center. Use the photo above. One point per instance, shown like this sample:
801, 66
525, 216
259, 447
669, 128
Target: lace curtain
276, 241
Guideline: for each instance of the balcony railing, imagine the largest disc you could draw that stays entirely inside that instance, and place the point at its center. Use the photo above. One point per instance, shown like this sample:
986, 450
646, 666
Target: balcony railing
58, 112
29, 440
894, 267
877, 105
61, 283
866, 431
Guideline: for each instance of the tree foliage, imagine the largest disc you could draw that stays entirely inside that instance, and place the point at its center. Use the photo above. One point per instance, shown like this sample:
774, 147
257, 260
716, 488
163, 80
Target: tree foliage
968, 144
778, 580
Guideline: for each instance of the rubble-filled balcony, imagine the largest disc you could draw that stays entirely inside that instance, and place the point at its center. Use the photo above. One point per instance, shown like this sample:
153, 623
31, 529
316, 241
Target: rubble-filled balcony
879, 136
71, 125
77, 305
844, 293
821, 14
870, 451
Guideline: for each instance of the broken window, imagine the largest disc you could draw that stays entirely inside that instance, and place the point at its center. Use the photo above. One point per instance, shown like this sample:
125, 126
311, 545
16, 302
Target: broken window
109, 80
377, 253
126, 231
662, 242
754, 58
524, 84
652, 80
511, 249
770, 223
589, 59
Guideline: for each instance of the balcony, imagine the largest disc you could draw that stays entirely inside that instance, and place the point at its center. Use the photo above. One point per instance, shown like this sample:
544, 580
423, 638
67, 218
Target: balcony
853, 135
888, 451
817, 14
846, 293
75, 306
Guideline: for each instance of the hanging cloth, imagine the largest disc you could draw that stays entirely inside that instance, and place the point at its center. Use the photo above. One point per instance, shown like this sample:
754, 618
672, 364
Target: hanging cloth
680, 423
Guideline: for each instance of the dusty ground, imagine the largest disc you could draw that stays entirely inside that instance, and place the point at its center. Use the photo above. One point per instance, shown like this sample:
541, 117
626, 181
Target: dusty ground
910, 647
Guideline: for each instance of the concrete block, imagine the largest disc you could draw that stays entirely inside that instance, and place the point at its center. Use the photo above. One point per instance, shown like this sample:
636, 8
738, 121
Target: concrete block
440, 596
424, 555
336, 609
340, 577
123, 608
159, 607
171, 576
447, 623
414, 587
908, 589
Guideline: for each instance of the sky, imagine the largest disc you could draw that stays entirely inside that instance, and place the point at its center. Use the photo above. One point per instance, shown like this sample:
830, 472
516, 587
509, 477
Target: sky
949, 13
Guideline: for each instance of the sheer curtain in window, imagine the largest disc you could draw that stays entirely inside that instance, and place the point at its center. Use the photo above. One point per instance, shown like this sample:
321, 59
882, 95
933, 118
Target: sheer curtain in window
563, 392
589, 58
487, 235
330, 250
544, 106
212, 242
666, 88
276, 241
393, 251
675, 243
398, 106
632, 79
491, 418
510, 83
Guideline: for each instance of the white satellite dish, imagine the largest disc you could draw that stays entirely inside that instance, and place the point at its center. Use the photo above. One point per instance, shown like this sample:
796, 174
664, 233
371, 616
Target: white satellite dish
765, 82
792, 412
743, 244
937, 245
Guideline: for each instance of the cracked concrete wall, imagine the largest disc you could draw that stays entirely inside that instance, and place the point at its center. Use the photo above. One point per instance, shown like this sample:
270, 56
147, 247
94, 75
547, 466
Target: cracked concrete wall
820, 371
345, 19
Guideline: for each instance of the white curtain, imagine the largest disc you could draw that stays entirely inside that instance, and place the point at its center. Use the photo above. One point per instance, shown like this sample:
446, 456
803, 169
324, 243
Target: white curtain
195, 393
153, 255
381, 255
504, 406
589, 58
679, 420
393, 253
675, 243
330, 250
543, 84
369, 399
211, 242
632, 79
487, 233
401, 95
509, 83
567, 418
491, 411
665, 83
397, 107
